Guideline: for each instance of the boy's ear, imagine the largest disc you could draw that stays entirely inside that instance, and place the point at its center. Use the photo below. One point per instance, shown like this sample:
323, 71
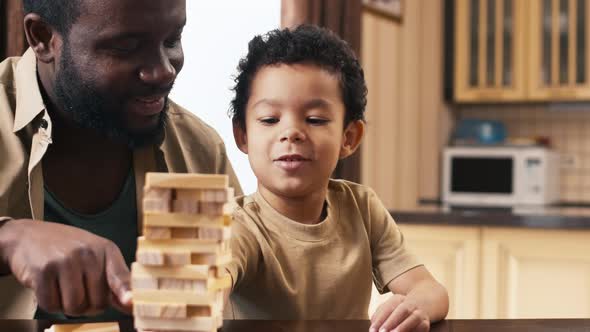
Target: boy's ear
240, 137
42, 38
352, 137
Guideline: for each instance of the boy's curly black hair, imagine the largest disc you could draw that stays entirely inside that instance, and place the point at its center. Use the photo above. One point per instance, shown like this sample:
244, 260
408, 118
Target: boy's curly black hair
304, 44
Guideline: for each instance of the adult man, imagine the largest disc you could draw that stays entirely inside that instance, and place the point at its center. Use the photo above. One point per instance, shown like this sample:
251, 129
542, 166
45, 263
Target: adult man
83, 115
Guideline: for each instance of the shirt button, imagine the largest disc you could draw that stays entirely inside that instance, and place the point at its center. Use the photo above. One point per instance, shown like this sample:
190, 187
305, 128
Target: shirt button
44, 124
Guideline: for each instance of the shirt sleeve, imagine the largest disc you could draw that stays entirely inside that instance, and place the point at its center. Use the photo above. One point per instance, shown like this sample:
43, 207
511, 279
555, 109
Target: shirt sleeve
245, 251
390, 256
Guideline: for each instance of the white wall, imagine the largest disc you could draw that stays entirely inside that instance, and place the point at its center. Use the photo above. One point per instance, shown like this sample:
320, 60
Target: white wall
215, 38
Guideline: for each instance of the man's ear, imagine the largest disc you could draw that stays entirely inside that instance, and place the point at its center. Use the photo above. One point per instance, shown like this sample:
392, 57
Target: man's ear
240, 136
42, 38
352, 137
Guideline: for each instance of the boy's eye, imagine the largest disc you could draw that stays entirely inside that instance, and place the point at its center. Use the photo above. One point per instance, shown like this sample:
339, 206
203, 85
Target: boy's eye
316, 121
269, 120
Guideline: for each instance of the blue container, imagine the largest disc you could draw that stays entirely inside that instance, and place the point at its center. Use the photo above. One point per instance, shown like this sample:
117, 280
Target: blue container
479, 132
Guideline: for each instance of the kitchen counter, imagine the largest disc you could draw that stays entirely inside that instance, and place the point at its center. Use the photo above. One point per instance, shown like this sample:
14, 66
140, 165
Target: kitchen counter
550, 217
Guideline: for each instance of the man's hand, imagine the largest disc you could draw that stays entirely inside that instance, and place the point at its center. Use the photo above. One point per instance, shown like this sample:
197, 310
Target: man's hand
399, 314
70, 270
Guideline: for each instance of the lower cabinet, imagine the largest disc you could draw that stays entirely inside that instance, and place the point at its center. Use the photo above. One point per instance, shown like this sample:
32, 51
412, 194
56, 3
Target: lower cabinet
502, 273
452, 255
535, 273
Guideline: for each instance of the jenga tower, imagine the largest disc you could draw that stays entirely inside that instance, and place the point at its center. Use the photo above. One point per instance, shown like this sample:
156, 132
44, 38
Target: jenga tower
178, 277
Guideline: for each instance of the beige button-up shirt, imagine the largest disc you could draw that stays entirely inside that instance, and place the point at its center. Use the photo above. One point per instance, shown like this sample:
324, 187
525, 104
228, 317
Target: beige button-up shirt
189, 146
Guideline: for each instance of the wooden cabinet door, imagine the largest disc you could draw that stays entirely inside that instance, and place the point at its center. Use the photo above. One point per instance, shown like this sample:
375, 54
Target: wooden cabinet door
489, 52
559, 32
451, 254
535, 273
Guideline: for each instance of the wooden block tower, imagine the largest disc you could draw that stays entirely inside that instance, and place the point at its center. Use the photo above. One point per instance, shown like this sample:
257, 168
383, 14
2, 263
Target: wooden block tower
178, 278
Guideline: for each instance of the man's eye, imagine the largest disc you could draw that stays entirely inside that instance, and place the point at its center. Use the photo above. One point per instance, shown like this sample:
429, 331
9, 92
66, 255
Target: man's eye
125, 46
269, 120
317, 121
172, 42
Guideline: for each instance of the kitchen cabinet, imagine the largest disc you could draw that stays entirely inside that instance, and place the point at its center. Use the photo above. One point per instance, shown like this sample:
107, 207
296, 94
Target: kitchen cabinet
522, 50
535, 273
506, 273
451, 254
558, 44
489, 57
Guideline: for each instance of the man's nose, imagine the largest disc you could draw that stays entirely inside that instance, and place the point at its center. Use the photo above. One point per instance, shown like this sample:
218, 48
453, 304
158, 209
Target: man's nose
293, 135
158, 72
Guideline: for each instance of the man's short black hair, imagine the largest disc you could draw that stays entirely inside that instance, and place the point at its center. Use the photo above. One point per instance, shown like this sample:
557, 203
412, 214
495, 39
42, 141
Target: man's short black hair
60, 14
307, 44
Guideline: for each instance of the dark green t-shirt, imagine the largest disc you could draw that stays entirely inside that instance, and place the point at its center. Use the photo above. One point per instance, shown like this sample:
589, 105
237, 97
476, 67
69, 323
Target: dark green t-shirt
118, 223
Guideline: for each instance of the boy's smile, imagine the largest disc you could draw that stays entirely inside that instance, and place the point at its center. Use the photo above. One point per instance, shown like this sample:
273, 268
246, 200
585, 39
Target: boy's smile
295, 131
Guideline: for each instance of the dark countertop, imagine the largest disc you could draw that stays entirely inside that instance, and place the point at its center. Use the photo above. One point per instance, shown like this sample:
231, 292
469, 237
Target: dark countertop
550, 217
508, 325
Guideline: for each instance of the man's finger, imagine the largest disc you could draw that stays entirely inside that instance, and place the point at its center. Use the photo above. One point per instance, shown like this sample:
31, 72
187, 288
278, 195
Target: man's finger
48, 295
97, 291
73, 294
115, 303
118, 276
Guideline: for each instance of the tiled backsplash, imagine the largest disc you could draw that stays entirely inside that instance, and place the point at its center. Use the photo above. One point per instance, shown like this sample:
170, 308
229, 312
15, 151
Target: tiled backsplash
567, 126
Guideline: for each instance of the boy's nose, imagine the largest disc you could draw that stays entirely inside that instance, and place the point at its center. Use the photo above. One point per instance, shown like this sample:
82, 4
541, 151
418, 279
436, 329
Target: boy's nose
292, 135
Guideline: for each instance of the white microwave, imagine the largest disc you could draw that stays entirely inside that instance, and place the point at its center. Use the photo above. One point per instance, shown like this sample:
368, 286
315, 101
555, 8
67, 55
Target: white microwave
500, 176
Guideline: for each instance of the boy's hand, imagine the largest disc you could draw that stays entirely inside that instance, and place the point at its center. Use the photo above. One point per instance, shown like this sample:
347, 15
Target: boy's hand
399, 314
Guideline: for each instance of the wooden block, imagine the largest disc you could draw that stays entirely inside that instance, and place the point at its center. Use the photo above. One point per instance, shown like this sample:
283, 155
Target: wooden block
217, 195
160, 310
182, 246
211, 209
143, 282
186, 181
156, 205
182, 284
190, 324
88, 327
185, 220
211, 259
150, 257
185, 206
157, 233
181, 272
193, 195
163, 194
175, 296
217, 234
185, 233
200, 311
177, 258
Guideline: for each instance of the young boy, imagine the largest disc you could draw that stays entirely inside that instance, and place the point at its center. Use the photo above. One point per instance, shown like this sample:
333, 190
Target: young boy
306, 246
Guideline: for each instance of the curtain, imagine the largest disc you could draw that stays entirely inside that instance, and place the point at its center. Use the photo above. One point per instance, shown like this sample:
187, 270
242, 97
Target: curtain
344, 18
12, 36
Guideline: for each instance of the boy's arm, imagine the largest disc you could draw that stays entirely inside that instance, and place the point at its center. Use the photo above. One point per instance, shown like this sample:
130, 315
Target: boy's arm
418, 300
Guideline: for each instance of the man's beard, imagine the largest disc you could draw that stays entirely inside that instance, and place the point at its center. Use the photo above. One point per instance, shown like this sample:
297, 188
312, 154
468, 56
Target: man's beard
93, 109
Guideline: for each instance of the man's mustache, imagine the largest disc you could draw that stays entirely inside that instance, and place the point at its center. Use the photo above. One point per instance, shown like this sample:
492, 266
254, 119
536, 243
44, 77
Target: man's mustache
153, 90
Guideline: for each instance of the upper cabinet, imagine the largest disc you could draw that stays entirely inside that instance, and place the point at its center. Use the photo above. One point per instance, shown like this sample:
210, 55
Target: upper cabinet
521, 50
489, 62
559, 33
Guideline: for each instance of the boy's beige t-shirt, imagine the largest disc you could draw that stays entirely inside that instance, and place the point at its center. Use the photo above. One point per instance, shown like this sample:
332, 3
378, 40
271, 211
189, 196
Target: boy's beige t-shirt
283, 269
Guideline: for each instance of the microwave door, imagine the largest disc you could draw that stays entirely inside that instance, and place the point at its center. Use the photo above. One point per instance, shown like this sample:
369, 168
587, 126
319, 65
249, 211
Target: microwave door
483, 180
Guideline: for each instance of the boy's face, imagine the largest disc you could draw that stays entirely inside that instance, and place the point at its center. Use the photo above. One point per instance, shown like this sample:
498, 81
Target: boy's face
295, 129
